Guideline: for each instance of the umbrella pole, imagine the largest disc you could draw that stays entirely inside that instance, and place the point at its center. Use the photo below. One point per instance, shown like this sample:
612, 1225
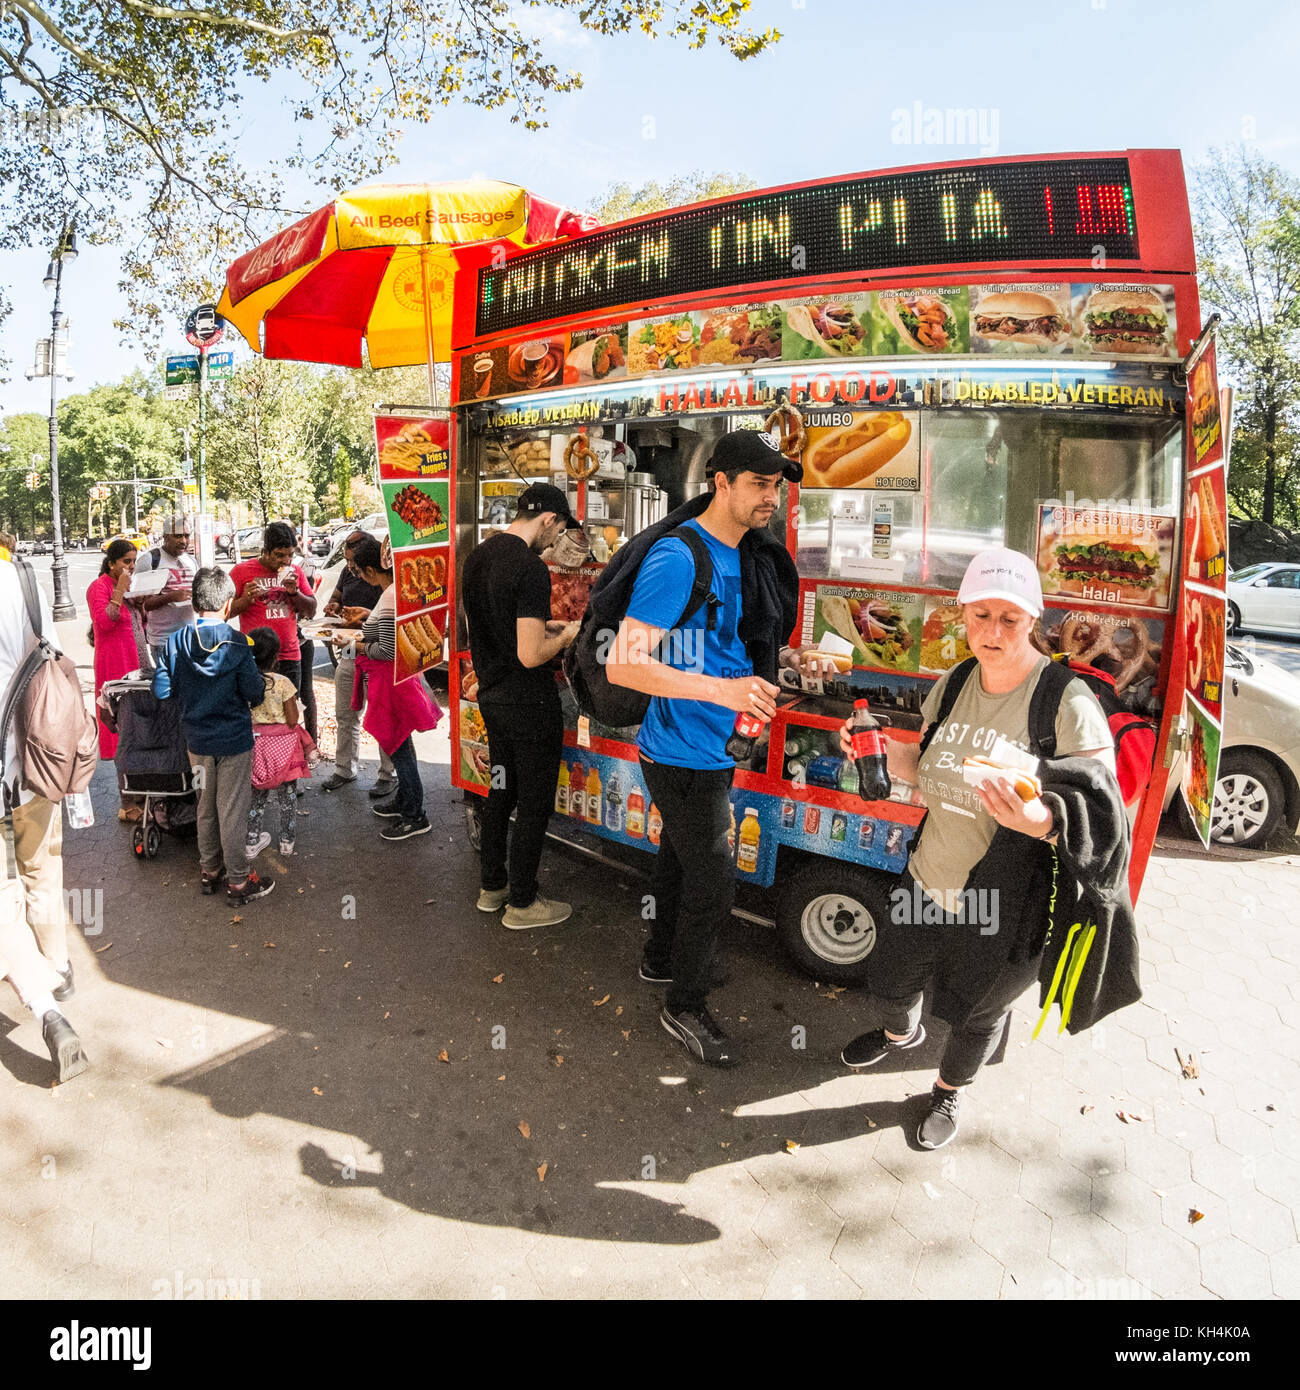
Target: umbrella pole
428, 324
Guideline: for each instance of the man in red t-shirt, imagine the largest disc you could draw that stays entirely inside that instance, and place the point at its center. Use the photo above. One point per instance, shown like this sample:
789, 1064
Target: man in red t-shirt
271, 591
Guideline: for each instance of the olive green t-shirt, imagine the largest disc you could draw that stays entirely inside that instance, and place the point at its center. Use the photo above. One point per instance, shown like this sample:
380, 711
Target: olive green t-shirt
958, 831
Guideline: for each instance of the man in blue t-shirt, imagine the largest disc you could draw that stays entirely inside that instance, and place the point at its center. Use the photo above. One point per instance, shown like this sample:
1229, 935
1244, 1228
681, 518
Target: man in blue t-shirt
698, 680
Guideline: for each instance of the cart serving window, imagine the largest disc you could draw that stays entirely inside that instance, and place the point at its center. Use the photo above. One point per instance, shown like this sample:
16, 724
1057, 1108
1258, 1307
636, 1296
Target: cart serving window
980, 354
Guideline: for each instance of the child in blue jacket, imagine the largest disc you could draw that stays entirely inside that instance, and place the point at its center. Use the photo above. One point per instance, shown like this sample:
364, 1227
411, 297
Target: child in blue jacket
209, 667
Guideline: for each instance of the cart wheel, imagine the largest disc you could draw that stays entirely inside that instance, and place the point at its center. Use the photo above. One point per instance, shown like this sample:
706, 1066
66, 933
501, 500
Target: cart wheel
137, 841
474, 825
827, 919
151, 840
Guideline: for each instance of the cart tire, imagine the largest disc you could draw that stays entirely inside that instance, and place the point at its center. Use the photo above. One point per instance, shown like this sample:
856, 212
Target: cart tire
1234, 620
474, 825
151, 841
137, 841
827, 919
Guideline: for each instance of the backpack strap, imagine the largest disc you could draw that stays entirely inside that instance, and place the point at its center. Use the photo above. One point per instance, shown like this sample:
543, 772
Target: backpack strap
27, 582
1044, 706
952, 688
155, 556
25, 671
702, 582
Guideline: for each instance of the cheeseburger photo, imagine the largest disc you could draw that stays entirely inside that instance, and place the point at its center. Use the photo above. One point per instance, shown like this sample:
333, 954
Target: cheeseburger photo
1125, 321
1129, 567
1022, 318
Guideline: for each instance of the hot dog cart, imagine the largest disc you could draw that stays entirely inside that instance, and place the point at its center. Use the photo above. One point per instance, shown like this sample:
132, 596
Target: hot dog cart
981, 353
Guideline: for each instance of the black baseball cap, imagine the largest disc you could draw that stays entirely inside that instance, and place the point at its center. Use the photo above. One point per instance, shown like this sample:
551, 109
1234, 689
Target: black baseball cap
537, 498
752, 451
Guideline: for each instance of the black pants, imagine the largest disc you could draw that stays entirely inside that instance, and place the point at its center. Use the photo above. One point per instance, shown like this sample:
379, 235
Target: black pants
692, 884
959, 959
410, 790
524, 743
307, 687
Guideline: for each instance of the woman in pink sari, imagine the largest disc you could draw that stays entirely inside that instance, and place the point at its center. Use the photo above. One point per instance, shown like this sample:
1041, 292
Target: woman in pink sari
114, 622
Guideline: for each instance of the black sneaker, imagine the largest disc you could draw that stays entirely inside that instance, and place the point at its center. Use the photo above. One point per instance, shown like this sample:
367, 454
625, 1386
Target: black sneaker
699, 1034
405, 829
251, 888
940, 1123
654, 975
389, 810
867, 1050
67, 989
66, 1052
211, 883
386, 786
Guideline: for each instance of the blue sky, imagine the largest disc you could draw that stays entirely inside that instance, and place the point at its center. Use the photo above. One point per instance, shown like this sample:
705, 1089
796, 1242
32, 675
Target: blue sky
1049, 76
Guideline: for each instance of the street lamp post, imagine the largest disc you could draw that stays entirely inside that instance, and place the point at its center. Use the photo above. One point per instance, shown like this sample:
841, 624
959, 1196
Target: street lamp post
65, 251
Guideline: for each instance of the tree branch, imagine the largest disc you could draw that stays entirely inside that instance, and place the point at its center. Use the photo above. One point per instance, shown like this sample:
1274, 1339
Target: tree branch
220, 21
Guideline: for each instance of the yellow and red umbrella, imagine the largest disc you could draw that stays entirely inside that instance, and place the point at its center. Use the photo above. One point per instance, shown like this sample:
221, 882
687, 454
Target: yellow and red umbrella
378, 264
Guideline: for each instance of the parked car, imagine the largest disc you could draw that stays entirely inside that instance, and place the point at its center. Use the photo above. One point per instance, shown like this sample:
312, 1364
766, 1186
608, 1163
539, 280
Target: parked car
1257, 791
137, 539
250, 542
1265, 598
40, 546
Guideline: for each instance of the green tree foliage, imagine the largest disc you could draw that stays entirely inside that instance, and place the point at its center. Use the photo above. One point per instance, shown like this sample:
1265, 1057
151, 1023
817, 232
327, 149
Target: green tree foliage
24, 448
137, 117
622, 201
1247, 219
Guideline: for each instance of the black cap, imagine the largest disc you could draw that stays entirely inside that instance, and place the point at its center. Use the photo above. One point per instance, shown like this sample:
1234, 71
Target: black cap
537, 498
752, 451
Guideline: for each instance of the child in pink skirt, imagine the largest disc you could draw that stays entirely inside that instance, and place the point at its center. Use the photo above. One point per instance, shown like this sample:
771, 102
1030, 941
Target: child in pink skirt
282, 749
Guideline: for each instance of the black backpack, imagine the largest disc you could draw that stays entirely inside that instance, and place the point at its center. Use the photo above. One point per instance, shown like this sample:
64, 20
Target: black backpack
1134, 737
616, 706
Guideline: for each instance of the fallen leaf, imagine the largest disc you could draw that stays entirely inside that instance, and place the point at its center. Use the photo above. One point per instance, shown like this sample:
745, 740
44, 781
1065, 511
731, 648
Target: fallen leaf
1270, 1107
541, 1172
496, 979
99, 950
596, 1003
280, 869
1086, 1109
871, 1124
724, 1143
791, 1145
1122, 1116
1190, 1068
301, 890
346, 963
626, 1032
163, 1042
429, 901
235, 918
268, 945
618, 1009
387, 1014
525, 1130
559, 1060
1194, 1216
316, 1091
502, 1077
1138, 1119
442, 1056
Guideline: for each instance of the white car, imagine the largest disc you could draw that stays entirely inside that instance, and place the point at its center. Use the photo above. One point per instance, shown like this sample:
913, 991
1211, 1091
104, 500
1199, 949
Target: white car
1257, 791
1265, 598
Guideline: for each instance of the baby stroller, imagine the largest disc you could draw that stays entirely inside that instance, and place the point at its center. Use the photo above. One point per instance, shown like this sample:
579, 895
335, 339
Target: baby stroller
151, 760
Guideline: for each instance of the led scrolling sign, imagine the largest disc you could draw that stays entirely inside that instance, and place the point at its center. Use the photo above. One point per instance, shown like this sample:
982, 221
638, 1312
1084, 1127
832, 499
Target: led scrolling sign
1053, 210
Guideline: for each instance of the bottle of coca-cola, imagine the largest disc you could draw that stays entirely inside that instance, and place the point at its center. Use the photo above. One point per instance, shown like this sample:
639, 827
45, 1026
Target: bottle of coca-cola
868, 746
743, 737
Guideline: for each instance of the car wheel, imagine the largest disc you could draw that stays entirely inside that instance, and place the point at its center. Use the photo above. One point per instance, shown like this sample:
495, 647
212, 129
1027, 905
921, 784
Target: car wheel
1249, 801
1234, 620
828, 917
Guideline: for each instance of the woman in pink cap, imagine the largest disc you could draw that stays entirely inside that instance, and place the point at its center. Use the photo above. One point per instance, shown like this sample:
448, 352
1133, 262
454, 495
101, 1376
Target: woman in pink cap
969, 916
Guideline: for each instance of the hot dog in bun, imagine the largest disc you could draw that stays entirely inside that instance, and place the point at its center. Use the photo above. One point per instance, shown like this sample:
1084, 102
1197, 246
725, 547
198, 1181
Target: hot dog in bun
976, 771
1020, 316
851, 454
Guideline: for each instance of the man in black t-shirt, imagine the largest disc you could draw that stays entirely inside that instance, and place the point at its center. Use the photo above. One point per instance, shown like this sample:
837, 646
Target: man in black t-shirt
351, 603
507, 594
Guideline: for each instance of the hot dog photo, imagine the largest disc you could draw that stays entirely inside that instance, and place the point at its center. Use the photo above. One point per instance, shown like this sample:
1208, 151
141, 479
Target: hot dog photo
863, 449
1206, 527
419, 643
